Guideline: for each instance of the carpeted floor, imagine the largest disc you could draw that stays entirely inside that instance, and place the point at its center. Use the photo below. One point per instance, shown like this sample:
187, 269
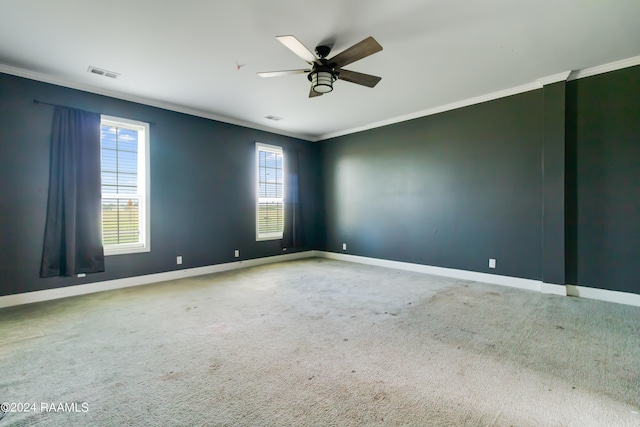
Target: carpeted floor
321, 342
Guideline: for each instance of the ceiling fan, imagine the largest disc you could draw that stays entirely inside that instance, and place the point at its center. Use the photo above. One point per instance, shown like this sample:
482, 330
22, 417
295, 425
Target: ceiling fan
325, 71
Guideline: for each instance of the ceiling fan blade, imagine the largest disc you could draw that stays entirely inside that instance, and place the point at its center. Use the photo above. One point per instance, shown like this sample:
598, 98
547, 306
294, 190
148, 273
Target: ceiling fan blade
282, 73
313, 93
366, 47
298, 48
359, 78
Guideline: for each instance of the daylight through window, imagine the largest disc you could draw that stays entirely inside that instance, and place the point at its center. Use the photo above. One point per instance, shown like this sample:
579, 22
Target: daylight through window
124, 168
270, 191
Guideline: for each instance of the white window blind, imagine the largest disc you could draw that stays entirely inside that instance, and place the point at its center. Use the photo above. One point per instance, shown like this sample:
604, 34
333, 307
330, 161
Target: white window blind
270, 192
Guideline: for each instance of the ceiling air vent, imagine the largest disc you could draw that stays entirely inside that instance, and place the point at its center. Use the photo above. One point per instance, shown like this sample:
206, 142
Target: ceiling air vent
102, 72
274, 118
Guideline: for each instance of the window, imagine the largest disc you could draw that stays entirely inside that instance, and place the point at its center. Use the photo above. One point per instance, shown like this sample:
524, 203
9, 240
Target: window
124, 148
270, 190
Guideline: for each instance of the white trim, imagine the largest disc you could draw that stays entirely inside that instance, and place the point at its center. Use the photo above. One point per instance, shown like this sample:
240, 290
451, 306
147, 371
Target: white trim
573, 75
550, 288
59, 81
604, 295
534, 285
560, 77
108, 285
570, 75
275, 149
514, 282
268, 147
605, 68
144, 183
125, 249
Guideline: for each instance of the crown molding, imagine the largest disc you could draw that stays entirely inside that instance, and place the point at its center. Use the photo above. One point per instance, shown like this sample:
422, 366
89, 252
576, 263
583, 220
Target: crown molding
440, 109
560, 77
20, 72
538, 84
605, 68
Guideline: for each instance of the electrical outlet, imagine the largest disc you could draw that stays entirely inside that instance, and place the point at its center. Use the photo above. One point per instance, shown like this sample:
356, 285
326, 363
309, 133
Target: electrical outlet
179, 259
492, 263
344, 246
237, 253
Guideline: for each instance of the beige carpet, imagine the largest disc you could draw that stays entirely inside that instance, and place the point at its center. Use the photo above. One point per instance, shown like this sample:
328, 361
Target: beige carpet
323, 343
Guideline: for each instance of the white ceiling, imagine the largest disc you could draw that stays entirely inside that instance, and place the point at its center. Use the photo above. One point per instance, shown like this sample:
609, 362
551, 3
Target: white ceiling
183, 55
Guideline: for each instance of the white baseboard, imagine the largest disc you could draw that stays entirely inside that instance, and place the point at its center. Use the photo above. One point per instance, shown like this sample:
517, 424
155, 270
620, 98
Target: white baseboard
604, 295
550, 288
514, 282
88, 288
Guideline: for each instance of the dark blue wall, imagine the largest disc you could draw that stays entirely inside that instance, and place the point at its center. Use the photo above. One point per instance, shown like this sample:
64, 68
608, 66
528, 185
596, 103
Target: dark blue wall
202, 189
603, 181
460, 187
449, 190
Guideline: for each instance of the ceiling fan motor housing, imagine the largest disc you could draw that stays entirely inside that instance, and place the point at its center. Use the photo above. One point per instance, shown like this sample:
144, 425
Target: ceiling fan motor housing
323, 51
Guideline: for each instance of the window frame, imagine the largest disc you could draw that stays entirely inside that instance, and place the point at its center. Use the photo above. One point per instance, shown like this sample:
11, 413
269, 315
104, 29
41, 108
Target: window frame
144, 217
277, 150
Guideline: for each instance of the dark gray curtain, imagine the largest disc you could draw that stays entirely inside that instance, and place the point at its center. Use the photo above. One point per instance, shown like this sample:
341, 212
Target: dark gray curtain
72, 240
293, 235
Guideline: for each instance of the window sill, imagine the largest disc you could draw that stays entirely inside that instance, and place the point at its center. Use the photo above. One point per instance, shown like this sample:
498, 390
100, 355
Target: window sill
126, 250
269, 237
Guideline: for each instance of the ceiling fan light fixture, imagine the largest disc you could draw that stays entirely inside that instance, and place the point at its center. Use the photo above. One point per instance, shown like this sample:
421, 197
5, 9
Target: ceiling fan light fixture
322, 81
326, 71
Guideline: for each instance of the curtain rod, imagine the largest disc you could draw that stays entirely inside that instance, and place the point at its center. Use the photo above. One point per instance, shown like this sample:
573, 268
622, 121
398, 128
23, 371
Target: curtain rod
36, 101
